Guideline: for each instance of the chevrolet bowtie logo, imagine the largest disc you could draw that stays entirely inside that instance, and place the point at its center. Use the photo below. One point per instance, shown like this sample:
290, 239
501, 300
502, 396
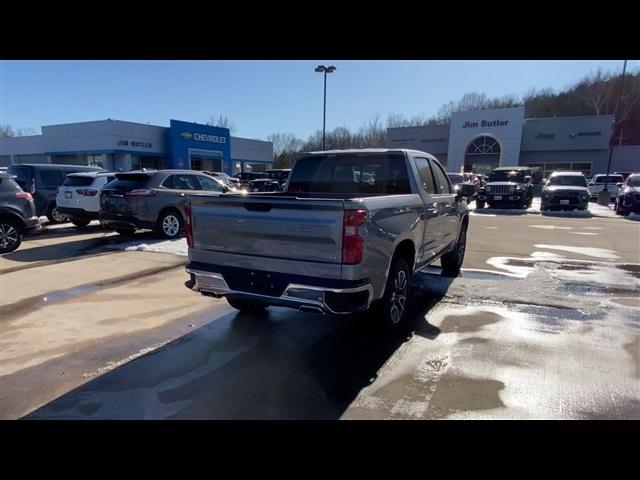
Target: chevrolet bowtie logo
186, 135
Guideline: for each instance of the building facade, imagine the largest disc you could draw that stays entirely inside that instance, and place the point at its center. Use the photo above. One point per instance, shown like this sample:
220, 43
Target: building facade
120, 146
481, 140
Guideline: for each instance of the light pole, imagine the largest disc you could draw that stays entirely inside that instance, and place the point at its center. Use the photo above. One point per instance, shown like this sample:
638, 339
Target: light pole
324, 69
603, 197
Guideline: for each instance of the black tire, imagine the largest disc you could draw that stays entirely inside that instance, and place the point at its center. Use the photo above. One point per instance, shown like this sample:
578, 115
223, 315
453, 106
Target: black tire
170, 224
246, 305
54, 216
126, 232
10, 235
80, 223
479, 204
391, 310
452, 261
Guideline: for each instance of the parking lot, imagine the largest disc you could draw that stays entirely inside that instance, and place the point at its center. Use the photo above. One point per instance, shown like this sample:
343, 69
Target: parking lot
544, 322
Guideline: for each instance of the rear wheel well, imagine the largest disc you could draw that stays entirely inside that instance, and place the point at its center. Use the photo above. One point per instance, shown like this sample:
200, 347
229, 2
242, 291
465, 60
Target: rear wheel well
13, 218
407, 251
175, 210
465, 222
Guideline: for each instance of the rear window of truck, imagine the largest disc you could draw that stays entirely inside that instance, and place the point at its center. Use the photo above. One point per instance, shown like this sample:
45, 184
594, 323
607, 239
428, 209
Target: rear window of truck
350, 174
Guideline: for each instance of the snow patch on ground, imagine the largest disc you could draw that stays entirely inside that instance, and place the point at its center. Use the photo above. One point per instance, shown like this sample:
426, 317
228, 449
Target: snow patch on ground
594, 210
588, 251
175, 247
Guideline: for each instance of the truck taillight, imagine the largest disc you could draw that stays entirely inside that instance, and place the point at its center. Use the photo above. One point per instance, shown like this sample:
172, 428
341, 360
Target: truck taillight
26, 195
33, 186
188, 230
352, 242
87, 192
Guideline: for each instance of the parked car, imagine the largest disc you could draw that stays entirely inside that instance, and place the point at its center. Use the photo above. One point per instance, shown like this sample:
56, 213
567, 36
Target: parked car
273, 182
628, 197
42, 181
153, 200
507, 186
624, 174
17, 213
464, 184
345, 236
597, 183
565, 191
224, 178
245, 177
79, 196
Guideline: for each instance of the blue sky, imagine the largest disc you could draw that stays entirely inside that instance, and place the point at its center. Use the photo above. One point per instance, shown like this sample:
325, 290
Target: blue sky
262, 97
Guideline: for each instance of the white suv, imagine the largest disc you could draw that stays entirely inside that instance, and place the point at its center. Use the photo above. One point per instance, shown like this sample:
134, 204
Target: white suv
79, 196
596, 185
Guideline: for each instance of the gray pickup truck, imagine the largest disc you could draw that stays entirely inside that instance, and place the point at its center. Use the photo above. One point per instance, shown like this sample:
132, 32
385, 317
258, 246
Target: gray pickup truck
345, 235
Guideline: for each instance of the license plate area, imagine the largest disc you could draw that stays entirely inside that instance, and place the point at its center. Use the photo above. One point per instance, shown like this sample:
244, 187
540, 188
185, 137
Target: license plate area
564, 202
68, 194
497, 197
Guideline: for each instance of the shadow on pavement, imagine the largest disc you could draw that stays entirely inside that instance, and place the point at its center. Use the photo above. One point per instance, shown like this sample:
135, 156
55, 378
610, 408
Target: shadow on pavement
64, 251
281, 365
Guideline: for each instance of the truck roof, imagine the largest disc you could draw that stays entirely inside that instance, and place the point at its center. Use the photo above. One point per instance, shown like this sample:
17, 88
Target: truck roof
368, 150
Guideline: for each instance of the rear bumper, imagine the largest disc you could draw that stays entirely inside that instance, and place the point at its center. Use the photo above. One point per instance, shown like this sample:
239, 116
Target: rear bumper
79, 213
114, 220
506, 199
339, 297
32, 224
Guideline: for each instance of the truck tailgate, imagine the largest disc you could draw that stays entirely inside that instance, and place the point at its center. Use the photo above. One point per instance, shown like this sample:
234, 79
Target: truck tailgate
269, 226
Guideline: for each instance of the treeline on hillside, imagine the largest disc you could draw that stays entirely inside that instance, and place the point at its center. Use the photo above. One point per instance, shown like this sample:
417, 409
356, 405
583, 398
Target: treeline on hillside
595, 94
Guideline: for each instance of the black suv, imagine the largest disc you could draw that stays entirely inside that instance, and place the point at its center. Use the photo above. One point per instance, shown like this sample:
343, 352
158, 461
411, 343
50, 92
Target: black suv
42, 181
273, 182
17, 213
507, 186
628, 198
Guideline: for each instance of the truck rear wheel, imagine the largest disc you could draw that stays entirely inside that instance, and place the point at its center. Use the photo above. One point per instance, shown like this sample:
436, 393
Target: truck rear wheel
452, 261
247, 306
391, 310
80, 223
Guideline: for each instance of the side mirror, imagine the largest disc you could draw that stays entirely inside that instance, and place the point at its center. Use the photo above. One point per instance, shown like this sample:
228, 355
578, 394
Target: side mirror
591, 184
527, 178
225, 189
619, 185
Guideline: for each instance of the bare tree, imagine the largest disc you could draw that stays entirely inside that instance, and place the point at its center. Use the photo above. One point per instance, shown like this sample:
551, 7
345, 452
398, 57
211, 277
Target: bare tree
222, 121
9, 131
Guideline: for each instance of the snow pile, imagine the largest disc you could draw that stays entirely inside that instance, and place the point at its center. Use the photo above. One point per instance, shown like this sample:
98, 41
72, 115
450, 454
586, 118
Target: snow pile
176, 247
594, 210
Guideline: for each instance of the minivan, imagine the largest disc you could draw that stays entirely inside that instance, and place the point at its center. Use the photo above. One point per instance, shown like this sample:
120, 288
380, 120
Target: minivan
42, 181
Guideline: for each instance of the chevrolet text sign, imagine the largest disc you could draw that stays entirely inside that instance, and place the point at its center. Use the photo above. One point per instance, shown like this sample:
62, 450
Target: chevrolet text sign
203, 137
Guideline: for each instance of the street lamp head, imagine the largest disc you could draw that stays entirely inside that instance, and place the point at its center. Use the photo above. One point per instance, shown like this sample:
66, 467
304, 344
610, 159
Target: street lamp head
320, 68
331, 69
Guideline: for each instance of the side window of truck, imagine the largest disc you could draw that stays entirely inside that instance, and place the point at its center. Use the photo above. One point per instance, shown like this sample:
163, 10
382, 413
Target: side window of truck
442, 182
426, 178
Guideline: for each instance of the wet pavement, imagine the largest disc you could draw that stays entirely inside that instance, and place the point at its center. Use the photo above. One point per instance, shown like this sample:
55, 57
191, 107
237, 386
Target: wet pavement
542, 324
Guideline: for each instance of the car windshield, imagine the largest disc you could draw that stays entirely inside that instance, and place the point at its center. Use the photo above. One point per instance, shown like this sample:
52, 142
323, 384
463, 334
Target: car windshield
455, 178
507, 176
568, 180
609, 179
634, 181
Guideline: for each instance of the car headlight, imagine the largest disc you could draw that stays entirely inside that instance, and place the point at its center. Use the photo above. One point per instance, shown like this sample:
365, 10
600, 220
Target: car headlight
488, 189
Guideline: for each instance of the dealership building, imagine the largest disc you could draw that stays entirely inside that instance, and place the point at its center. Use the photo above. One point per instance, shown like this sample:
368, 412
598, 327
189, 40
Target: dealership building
478, 141
120, 146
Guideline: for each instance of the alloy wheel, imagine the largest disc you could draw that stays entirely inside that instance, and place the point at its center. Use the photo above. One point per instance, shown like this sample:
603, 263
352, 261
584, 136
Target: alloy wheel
170, 226
398, 297
8, 236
